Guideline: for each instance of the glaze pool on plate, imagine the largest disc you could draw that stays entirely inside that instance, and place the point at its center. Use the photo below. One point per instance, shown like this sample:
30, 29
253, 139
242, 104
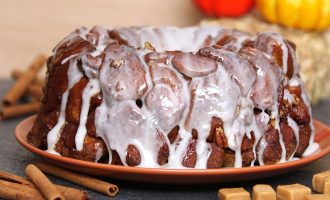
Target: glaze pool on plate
182, 176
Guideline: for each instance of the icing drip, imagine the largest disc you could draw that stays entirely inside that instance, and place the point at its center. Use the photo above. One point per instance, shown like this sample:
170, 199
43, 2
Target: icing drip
262, 145
74, 75
129, 125
295, 128
214, 96
90, 90
184, 89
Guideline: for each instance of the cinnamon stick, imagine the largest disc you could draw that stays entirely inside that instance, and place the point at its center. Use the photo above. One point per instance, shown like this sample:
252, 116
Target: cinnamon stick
67, 192
72, 193
14, 178
16, 74
18, 110
35, 91
9, 190
80, 179
20, 86
45, 186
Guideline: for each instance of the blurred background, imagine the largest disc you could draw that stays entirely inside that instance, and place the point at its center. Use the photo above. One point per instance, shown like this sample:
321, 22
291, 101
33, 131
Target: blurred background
28, 28
34, 26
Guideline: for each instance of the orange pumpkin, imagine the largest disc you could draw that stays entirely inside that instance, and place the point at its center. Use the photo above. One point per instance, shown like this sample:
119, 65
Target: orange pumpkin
303, 14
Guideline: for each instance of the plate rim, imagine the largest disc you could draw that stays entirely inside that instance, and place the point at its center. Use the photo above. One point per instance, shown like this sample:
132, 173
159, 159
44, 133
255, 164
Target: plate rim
165, 171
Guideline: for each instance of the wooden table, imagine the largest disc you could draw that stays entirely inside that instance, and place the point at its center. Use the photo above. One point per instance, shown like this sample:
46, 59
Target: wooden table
33, 26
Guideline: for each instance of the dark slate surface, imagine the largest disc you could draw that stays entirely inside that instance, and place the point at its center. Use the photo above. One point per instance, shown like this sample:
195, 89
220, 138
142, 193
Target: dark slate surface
13, 158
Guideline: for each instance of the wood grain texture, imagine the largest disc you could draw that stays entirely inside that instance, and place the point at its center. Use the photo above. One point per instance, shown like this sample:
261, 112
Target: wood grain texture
35, 26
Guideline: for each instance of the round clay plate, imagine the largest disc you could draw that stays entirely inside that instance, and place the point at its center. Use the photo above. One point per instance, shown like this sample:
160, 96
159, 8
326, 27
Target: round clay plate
181, 176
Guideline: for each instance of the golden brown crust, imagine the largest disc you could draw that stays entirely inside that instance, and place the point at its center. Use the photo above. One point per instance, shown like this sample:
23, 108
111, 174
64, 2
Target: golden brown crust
273, 151
173, 134
164, 152
247, 150
229, 158
190, 157
55, 86
75, 98
66, 145
289, 139
217, 157
299, 113
304, 137
115, 158
133, 157
217, 133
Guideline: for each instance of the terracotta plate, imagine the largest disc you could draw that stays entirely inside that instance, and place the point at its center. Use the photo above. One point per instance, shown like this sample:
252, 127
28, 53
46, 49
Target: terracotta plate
182, 176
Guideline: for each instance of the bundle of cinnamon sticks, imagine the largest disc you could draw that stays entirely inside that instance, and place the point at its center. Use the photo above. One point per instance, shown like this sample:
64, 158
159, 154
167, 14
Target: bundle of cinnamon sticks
38, 186
27, 84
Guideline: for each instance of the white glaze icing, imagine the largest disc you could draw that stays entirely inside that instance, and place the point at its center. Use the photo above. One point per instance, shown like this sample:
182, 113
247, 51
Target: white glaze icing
311, 149
90, 90
264, 44
169, 38
295, 129
214, 96
74, 75
225, 93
